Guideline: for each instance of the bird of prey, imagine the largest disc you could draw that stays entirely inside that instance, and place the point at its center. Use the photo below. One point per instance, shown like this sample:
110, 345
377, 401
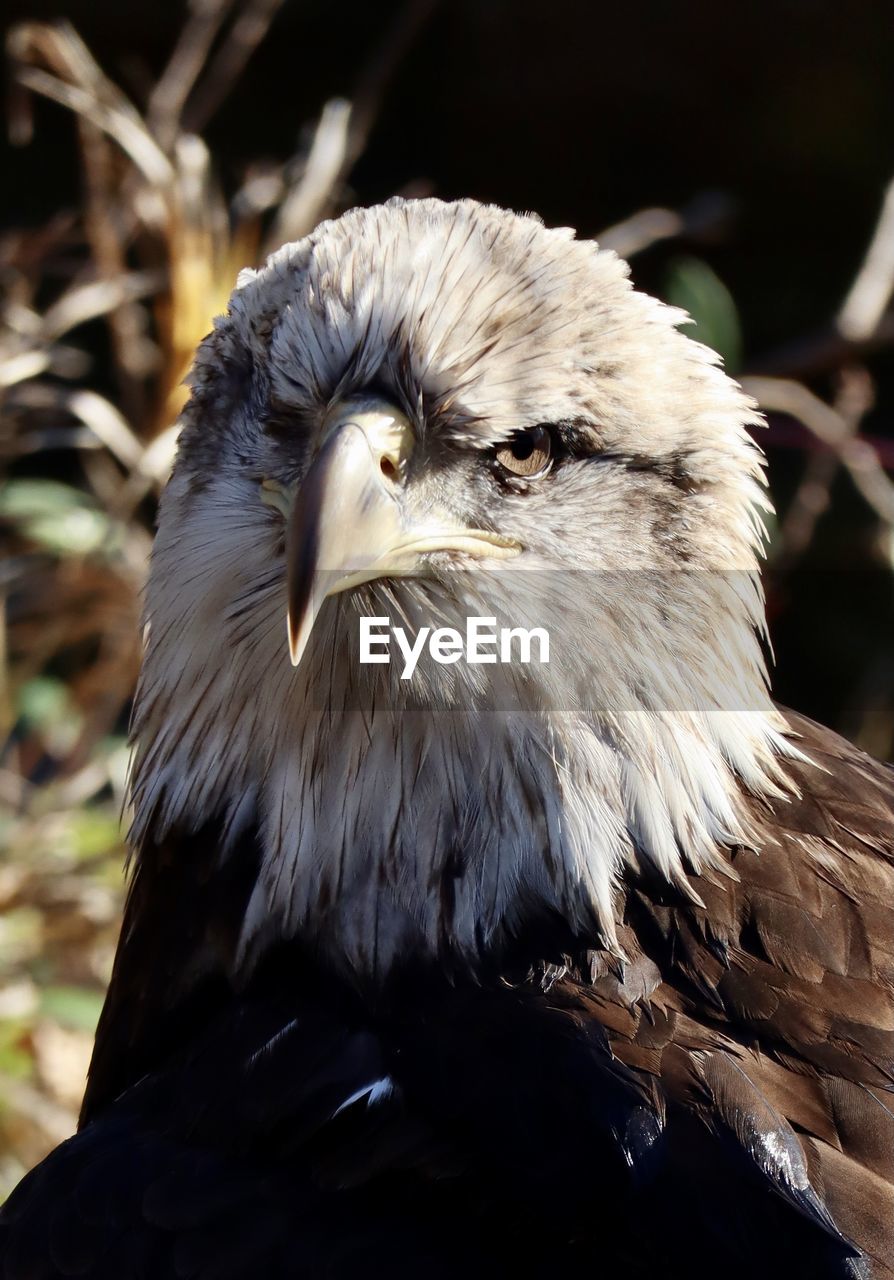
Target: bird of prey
506, 969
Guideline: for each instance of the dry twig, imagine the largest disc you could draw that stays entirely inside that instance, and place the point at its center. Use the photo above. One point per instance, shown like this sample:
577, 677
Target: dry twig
702, 217
828, 424
861, 320
868, 297
228, 63
168, 98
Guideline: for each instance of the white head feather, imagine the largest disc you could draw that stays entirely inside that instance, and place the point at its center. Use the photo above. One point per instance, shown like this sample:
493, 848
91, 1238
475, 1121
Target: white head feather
440, 815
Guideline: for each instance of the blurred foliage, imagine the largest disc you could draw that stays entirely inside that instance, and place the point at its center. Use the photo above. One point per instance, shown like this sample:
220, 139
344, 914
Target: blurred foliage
55, 516
109, 277
692, 285
60, 898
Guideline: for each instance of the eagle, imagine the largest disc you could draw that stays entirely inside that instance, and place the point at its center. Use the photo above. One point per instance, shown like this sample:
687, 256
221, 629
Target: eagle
565, 968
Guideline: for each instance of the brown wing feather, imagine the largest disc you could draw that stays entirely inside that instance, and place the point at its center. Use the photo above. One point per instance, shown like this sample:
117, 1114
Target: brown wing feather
775, 1008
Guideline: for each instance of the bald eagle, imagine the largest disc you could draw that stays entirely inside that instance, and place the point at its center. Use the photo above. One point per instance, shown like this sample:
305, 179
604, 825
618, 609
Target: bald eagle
509, 968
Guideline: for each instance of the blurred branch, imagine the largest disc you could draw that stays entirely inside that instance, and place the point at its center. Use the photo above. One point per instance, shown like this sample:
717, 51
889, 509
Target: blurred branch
380, 70
326, 162
834, 429
98, 415
85, 90
95, 299
78, 305
227, 65
23, 365
343, 131
107, 233
126, 132
869, 295
813, 496
863, 323
822, 352
173, 87
706, 215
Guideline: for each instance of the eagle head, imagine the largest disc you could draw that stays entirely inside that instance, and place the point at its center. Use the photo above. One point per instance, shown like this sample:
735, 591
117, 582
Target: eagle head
425, 413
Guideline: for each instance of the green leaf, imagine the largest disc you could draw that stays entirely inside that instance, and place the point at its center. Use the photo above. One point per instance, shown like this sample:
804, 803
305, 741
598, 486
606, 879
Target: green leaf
15, 1060
43, 701
694, 286
95, 831
56, 516
75, 1007
21, 937
44, 706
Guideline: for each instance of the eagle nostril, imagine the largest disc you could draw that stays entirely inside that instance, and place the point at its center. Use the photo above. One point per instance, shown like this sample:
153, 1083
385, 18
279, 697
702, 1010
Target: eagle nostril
388, 469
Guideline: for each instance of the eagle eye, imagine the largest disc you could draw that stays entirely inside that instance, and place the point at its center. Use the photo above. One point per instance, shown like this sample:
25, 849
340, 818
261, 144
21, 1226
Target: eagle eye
528, 453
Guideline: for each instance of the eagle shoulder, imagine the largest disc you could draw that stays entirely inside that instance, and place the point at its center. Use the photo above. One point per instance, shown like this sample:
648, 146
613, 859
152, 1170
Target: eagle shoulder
770, 1010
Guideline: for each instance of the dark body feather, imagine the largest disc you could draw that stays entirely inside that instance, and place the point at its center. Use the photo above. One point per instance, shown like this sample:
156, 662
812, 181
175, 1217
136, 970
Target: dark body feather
720, 1105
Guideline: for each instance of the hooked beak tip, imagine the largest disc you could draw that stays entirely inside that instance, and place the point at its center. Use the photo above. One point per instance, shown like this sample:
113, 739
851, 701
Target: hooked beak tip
299, 624
296, 647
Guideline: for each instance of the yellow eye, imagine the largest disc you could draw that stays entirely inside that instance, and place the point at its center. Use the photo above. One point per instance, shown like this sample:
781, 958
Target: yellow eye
528, 454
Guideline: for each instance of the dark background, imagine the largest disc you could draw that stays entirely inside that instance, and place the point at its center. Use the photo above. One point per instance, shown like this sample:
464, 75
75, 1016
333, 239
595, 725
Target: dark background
584, 112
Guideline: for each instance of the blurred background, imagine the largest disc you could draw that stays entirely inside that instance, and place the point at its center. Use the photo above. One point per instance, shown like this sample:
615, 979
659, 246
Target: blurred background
739, 156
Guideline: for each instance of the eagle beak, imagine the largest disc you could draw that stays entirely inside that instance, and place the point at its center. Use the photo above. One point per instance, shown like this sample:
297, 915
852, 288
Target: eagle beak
346, 523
